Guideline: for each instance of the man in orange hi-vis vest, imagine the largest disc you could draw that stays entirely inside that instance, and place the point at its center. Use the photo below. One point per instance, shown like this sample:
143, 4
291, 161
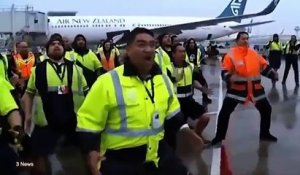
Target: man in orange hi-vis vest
242, 68
22, 62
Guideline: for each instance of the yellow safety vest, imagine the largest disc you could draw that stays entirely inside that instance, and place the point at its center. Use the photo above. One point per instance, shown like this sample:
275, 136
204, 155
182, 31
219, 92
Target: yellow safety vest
124, 116
3, 67
288, 51
79, 86
185, 81
275, 46
163, 60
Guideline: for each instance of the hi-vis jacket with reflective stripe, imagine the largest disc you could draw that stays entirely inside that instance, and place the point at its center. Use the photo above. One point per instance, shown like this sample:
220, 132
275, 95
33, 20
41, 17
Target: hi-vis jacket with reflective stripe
119, 107
241, 70
291, 49
163, 60
194, 59
184, 77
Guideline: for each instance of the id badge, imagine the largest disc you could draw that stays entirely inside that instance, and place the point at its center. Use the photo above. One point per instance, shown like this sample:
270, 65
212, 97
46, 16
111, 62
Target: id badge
155, 121
63, 89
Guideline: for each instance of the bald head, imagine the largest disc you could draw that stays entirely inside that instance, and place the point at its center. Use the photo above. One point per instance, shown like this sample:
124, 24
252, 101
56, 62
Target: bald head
67, 44
22, 48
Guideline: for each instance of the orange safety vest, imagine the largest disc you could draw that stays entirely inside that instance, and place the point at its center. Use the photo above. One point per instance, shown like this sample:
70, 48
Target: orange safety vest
107, 63
244, 65
24, 65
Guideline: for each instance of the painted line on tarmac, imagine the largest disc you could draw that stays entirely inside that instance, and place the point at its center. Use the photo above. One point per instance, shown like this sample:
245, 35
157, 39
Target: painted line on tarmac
216, 156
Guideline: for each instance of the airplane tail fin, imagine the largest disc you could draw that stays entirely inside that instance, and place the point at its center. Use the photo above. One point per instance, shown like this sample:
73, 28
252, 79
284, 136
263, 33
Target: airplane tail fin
234, 8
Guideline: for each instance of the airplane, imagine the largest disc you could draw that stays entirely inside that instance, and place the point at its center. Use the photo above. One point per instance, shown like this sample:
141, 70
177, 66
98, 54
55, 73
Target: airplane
255, 39
95, 28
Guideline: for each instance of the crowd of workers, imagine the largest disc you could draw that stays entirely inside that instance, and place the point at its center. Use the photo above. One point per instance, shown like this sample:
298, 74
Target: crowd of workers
123, 112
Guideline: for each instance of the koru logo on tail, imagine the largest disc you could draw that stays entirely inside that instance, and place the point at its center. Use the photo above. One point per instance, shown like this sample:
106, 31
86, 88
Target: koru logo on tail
276, 2
235, 7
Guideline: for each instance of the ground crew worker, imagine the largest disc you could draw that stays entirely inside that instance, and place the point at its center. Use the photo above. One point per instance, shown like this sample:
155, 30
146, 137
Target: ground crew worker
86, 59
137, 100
10, 128
61, 87
67, 45
291, 58
174, 40
275, 52
22, 63
186, 80
163, 55
241, 70
108, 57
193, 55
3, 67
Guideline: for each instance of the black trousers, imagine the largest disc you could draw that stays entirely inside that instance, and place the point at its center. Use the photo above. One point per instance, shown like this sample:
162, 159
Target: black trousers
168, 164
203, 82
291, 60
229, 104
8, 159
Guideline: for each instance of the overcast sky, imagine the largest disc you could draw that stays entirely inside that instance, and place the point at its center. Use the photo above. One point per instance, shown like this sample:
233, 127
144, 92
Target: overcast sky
286, 15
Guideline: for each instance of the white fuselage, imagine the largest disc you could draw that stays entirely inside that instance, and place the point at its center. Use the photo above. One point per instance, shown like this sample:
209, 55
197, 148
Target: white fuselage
95, 28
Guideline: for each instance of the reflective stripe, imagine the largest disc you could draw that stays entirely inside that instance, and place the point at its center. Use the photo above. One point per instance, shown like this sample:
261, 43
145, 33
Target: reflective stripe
134, 133
87, 130
119, 98
79, 82
260, 97
184, 95
239, 78
123, 130
225, 74
173, 114
160, 58
52, 88
166, 80
236, 97
72, 56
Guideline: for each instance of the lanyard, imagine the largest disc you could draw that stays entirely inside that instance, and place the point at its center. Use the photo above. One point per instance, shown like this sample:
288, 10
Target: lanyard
150, 94
57, 69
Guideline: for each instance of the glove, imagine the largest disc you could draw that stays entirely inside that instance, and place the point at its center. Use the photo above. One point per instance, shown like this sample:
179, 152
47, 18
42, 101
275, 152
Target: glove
15, 137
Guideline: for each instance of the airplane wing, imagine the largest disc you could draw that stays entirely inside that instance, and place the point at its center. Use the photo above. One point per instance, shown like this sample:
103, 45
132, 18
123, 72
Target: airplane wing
177, 28
241, 26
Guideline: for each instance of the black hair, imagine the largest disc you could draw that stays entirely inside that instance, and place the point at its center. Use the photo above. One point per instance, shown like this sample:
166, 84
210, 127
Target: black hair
160, 38
240, 34
136, 31
54, 37
173, 37
174, 47
275, 35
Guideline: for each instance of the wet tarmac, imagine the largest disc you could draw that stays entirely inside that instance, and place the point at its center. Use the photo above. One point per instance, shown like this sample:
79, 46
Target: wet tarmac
241, 153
